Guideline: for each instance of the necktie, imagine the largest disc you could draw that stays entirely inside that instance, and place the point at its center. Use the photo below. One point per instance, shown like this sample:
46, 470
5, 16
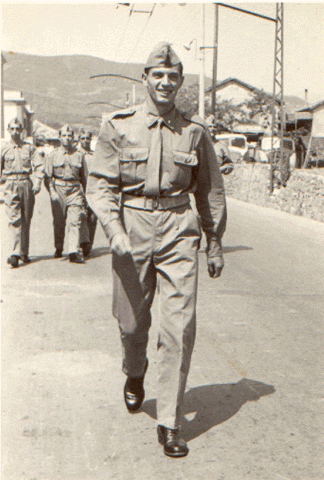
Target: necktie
152, 180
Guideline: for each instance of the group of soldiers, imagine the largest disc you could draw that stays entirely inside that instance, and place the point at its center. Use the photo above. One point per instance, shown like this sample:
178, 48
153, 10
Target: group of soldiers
65, 172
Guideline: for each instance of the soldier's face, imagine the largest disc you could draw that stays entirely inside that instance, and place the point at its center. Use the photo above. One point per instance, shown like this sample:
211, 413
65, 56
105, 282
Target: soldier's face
15, 131
85, 141
162, 84
67, 138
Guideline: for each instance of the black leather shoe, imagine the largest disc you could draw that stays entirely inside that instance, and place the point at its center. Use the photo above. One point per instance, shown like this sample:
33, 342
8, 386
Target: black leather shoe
76, 257
58, 253
134, 392
86, 249
174, 445
13, 260
25, 258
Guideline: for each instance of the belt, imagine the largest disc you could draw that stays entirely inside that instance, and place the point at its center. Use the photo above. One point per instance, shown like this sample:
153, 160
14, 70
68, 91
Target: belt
65, 183
17, 176
154, 203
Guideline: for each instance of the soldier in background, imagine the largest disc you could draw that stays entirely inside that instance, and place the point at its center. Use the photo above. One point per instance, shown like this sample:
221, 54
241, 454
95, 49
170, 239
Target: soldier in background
66, 180
18, 161
88, 228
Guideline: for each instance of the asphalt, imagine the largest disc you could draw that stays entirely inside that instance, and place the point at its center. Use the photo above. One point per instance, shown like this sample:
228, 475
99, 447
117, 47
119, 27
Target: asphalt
254, 400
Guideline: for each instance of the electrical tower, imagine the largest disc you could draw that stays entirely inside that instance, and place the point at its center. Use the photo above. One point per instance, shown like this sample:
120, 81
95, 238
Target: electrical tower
278, 121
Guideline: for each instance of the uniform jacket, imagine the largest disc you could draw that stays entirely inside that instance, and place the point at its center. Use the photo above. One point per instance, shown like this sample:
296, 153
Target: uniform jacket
65, 165
188, 165
88, 156
21, 158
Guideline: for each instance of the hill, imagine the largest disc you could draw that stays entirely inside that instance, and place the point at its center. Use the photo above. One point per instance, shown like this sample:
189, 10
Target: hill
59, 88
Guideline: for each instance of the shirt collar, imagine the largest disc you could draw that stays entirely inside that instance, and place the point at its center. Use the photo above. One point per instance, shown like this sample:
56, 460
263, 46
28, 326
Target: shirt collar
17, 145
152, 117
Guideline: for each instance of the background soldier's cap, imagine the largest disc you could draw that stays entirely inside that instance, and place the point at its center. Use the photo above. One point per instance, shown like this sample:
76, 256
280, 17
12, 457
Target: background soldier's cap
66, 128
85, 131
162, 55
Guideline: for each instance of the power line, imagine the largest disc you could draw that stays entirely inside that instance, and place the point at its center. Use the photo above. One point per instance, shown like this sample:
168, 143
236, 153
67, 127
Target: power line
140, 35
124, 32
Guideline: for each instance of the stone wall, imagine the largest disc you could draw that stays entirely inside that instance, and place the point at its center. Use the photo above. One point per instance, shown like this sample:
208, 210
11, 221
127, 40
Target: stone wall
303, 195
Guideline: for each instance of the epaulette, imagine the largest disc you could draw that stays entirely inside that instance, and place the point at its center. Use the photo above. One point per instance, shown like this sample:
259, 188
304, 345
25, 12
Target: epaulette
195, 119
127, 112
4, 143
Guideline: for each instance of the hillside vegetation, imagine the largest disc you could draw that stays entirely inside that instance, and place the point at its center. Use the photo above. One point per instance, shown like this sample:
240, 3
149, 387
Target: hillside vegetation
59, 88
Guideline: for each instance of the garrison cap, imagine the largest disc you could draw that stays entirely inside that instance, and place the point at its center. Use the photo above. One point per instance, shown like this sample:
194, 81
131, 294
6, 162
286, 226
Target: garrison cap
66, 128
85, 131
162, 55
15, 121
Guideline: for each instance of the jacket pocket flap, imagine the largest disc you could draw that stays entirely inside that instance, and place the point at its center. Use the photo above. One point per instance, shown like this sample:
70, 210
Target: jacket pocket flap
58, 162
189, 159
132, 154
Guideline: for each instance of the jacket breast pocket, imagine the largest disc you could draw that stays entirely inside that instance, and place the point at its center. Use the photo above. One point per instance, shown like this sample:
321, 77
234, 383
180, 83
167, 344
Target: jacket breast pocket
58, 166
182, 168
133, 164
25, 160
9, 161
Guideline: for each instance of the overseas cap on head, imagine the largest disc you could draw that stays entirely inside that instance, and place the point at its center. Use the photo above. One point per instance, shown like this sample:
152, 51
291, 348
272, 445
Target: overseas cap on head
66, 128
85, 131
162, 55
15, 121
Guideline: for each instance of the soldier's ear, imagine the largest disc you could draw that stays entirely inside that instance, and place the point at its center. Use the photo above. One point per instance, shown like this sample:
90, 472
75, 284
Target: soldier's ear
144, 78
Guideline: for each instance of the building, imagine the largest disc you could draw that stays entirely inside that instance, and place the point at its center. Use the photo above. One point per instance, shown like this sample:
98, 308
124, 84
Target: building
233, 90
317, 112
15, 106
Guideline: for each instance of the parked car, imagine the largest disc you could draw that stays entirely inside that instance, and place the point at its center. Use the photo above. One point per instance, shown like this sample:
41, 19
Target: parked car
237, 145
263, 151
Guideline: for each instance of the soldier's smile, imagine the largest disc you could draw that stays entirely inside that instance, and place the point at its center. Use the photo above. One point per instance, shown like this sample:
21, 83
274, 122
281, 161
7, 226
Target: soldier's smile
163, 83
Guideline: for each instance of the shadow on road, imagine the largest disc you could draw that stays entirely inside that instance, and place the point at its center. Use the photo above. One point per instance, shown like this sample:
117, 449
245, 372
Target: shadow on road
226, 250
214, 404
235, 249
99, 252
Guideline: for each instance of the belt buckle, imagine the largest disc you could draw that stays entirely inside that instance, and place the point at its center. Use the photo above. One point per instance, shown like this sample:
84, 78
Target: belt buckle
155, 202
152, 202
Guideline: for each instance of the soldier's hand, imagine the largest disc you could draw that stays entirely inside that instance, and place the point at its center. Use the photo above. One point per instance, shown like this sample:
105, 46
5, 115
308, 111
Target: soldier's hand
215, 266
54, 196
36, 189
120, 244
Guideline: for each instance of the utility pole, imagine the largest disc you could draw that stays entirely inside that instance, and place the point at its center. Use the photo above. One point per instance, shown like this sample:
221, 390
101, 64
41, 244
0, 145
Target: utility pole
214, 85
278, 96
202, 67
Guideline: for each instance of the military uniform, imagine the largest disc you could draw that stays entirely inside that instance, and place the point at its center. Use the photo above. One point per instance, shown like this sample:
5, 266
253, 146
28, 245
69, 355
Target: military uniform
164, 234
66, 175
18, 162
88, 228
223, 157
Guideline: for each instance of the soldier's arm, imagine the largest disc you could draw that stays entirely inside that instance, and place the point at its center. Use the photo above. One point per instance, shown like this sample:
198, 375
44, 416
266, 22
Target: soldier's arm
103, 181
48, 180
38, 166
210, 201
84, 173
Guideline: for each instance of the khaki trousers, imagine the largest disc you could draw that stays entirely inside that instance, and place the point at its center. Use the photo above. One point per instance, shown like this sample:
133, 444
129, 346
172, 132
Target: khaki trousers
88, 227
164, 257
68, 212
19, 200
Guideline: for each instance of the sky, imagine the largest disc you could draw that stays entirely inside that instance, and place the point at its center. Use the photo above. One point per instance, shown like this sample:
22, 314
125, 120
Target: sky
245, 42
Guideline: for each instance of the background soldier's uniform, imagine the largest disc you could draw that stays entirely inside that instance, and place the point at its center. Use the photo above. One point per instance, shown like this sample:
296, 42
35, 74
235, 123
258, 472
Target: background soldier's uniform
91, 219
163, 231
18, 162
67, 176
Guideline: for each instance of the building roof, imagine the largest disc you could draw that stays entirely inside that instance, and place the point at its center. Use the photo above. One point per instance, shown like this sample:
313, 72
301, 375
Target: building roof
313, 107
233, 80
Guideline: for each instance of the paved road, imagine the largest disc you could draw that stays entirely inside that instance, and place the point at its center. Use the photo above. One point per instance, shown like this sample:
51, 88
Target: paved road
254, 405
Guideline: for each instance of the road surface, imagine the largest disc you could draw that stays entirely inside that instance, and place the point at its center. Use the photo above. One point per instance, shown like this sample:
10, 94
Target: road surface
254, 402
